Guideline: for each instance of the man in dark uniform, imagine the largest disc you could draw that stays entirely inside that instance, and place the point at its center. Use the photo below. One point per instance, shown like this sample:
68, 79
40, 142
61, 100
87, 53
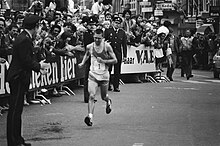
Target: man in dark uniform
118, 40
19, 74
3, 46
88, 39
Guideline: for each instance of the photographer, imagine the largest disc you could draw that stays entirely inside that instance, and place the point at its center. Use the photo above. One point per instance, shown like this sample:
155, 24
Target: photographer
37, 5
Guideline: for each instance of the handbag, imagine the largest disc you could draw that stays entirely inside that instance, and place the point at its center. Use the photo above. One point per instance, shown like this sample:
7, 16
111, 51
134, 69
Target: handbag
159, 53
168, 51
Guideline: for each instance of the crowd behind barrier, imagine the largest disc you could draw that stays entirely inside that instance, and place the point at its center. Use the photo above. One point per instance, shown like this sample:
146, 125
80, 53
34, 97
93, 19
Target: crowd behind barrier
64, 69
65, 40
61, 34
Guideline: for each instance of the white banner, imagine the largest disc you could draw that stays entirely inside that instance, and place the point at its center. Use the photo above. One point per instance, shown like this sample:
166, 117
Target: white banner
63, 69
139, 60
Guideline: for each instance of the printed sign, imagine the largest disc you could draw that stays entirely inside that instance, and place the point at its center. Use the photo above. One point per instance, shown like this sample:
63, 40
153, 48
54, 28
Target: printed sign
62, 69
65, 69
139, 60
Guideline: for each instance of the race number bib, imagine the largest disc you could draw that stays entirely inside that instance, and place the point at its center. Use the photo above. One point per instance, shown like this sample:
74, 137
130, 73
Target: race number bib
99, 66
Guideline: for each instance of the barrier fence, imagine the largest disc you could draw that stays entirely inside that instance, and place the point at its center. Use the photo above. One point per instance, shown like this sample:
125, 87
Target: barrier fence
65, 69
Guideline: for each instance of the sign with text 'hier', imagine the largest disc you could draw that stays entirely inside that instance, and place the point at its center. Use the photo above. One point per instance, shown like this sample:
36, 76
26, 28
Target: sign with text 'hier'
65, 69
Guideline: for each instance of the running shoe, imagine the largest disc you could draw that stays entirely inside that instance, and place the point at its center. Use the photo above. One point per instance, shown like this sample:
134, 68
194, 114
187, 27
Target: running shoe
88, 121
108, 106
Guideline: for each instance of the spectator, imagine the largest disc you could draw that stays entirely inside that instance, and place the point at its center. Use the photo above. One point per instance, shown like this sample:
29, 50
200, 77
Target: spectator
53, 35
3, 47
19, 20
108, 17
37, 5
186, 50
160, 45
97, 7
79, 35
101, 18
106, 24
88, 39
136, 36
8, 21
13, 32
174, 45
55, 31
118, 40
52, 5
202, 51
63, 47
217, 43
128, 24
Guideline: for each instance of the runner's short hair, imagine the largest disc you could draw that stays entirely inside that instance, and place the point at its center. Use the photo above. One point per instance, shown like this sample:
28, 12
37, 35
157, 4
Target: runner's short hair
99, 31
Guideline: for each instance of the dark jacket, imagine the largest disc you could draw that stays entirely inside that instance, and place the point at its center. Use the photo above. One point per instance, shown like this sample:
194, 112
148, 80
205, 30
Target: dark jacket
118, 41
23, 61
3, 47
88, 38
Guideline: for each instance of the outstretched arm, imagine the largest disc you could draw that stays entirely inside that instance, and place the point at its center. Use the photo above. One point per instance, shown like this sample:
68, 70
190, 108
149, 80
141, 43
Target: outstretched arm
85, 57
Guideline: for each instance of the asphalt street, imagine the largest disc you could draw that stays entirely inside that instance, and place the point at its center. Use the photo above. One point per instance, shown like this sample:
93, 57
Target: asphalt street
179, 113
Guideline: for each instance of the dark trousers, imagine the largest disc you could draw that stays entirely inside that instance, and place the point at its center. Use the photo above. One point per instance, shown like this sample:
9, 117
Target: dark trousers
187, 62
86, 92
171, 68
117, 73
14, 118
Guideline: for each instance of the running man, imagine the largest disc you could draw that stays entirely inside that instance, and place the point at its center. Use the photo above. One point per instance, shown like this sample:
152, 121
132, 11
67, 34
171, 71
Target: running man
101, 56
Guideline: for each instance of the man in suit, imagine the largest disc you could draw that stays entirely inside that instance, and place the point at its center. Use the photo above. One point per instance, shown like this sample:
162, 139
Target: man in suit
19, 74
118, 40
174, 45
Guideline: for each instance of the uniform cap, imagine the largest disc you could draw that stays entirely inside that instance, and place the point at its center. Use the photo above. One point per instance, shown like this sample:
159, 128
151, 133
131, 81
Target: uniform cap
2, 18
117, 19
92, 20
85, 19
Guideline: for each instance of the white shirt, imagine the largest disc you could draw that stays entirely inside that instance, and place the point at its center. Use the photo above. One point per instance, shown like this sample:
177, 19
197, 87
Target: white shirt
99, 70
5, 5
52, 5
28, 33
97, 8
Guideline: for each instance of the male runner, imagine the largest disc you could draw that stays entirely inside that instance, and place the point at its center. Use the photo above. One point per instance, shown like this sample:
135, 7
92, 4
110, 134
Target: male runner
101, 55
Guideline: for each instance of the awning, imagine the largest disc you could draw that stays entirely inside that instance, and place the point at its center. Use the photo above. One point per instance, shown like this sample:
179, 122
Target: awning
172, 20
205, 28
187, 26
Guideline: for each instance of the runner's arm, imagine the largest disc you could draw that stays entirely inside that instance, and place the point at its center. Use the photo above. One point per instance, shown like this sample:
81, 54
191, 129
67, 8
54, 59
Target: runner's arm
85, 57
112, 58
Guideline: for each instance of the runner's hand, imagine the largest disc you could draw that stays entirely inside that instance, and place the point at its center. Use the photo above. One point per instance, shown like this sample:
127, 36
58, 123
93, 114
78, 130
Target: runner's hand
44, 65
100, 60
43, 71
80, 65
2, 60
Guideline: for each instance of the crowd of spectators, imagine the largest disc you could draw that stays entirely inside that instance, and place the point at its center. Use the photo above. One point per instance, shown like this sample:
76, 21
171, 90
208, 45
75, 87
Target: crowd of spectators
61, 33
